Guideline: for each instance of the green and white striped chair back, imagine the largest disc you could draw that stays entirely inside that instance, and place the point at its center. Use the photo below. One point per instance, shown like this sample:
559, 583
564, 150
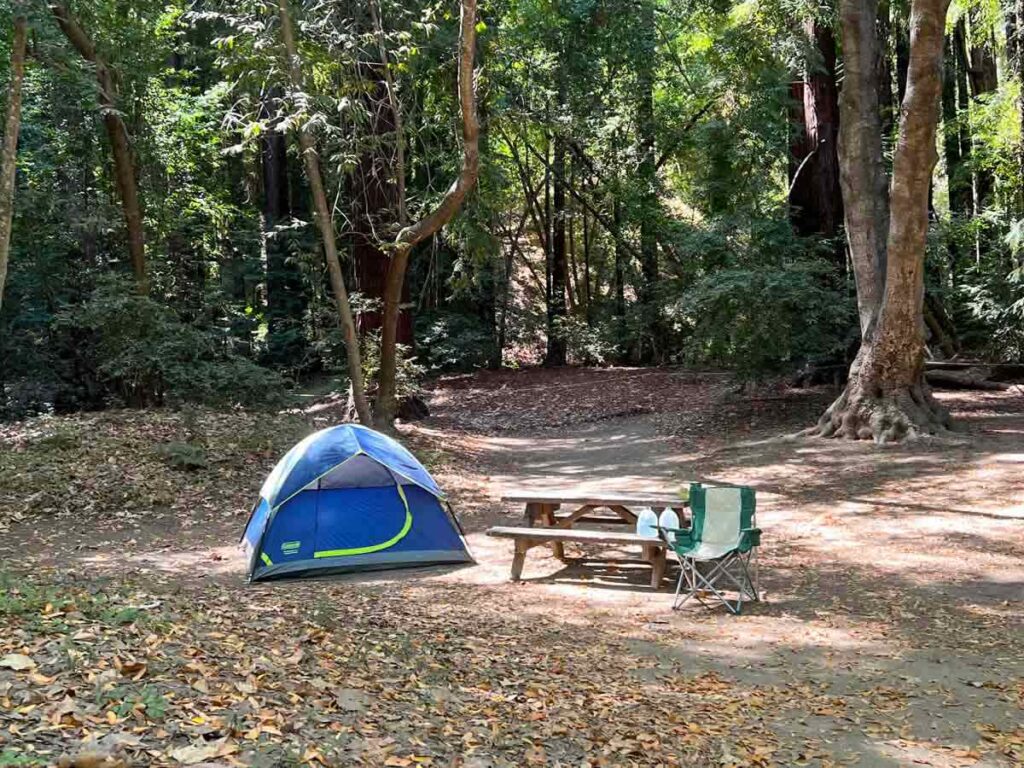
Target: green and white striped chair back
719, 515
722, 516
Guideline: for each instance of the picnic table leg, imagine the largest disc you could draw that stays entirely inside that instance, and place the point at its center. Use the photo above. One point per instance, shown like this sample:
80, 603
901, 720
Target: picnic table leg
533, 511
549, 518
518, 559
658, 565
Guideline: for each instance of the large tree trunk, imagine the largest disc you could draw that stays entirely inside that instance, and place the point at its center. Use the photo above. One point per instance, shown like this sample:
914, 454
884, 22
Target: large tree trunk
325, 222
9, 157
120, 145
886, 397
409, 237
815, 196
862, 167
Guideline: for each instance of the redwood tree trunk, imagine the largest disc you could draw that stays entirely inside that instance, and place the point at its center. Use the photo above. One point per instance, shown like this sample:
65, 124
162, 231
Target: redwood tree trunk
984, 79
286, 297
9, 158
815, 197
886, 397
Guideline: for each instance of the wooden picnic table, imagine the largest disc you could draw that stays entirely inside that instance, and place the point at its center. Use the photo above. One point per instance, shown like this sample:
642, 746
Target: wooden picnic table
543, 510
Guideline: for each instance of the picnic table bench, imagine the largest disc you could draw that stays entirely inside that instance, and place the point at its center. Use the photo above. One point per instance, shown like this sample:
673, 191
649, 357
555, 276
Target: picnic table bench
545, 523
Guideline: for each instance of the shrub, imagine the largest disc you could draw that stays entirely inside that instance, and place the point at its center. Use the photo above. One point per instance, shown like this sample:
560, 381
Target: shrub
767, 320
138, 352
586, 344
184, 456
453, 341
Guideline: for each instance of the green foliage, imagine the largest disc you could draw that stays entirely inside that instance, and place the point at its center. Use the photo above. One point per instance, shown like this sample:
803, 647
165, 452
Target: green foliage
585, 343
407, 374
10, 758
768, 320
453, 341
184, 456
140, 353
128, 699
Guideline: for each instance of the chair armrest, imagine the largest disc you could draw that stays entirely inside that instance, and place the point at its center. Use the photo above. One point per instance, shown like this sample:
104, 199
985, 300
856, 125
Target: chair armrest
683, 536
749, 538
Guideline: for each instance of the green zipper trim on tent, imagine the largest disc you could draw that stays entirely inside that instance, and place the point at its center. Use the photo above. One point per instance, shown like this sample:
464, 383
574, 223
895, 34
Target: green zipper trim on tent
375, 547
266, 560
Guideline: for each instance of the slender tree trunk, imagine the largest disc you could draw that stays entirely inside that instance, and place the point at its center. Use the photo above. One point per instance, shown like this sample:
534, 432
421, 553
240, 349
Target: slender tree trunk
387, 404
556, 349
886, 397
958, 178
586, 269
648, 180
984, 80
286, 300
620, 261
1015, 55
963, 103
9, 156
325, 223
120, 145
886, 98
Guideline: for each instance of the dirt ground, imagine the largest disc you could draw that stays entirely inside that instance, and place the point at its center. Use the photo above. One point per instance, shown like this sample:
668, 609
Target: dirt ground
891, 634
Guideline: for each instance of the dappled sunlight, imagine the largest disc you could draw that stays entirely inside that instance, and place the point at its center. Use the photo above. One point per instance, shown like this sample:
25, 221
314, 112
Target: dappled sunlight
893, 581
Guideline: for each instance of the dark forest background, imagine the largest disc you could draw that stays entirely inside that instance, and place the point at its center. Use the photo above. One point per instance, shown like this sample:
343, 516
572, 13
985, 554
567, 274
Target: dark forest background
658, 183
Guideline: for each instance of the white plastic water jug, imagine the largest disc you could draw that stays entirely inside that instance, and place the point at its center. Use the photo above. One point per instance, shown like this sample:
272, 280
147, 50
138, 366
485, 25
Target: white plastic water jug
669, 519
647, 522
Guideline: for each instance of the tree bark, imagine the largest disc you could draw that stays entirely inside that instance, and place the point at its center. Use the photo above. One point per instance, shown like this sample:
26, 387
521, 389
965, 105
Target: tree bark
556, 348
9, 156
886, 397
325, 223
815, 196
120, 145
957, 176
620, 261
377, 193
862, 170
386, 403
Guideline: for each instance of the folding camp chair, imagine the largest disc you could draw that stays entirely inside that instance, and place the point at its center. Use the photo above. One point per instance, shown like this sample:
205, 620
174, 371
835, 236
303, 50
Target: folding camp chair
716, 554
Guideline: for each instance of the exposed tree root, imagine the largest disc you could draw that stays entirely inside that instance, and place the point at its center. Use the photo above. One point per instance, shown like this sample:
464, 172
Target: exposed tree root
883, 416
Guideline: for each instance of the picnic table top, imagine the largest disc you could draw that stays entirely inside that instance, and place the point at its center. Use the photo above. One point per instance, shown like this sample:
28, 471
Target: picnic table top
573, 534
594, 498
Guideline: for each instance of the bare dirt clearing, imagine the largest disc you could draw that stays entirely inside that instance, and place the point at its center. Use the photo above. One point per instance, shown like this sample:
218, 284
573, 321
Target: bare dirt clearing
892, 634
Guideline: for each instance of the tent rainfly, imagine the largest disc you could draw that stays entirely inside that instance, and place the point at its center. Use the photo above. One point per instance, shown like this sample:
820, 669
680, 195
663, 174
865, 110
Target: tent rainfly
348, 498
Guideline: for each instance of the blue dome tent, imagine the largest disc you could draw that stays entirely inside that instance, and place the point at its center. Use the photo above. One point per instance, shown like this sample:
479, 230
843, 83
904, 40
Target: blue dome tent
348, 498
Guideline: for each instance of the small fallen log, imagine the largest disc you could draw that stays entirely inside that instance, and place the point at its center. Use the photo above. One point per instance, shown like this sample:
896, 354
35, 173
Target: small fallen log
977, 377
